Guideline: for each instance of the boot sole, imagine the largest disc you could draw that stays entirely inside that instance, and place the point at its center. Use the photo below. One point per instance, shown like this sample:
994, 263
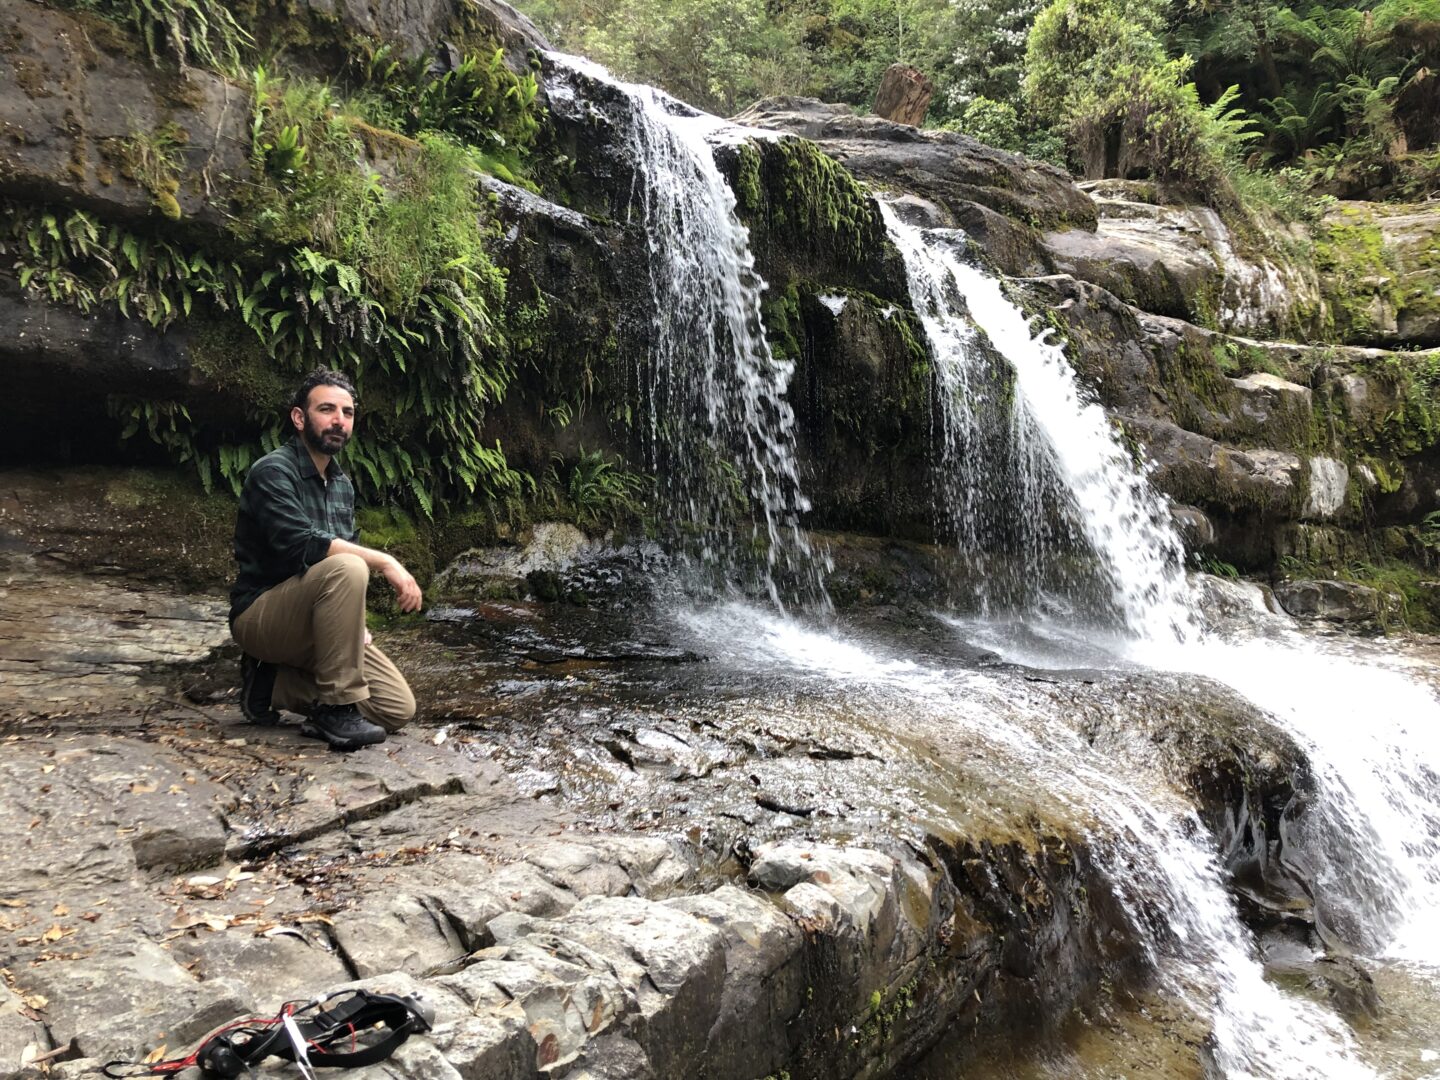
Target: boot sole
336, 742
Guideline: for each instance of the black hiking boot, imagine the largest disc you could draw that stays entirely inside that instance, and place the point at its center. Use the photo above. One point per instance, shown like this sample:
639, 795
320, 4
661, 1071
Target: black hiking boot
342, 727
257, 683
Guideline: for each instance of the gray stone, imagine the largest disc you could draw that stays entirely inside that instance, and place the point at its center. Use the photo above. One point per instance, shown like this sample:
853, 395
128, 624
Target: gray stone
130, 996
1337, 601
678, 977
563, 993
765, 980
1194, 525
388, 932
945, 167
488, 1046
18, 1032
1329, 482
73, 89
279, 966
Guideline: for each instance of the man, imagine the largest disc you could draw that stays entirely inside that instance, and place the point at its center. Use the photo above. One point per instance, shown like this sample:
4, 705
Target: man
298, 604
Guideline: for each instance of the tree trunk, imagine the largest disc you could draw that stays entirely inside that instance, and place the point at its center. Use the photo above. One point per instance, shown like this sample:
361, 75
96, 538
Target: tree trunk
904, 95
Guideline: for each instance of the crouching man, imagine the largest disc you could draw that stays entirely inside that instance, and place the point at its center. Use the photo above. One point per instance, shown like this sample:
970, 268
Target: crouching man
298, 604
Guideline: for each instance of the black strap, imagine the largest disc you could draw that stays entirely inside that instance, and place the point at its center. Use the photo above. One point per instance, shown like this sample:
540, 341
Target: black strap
362, 1010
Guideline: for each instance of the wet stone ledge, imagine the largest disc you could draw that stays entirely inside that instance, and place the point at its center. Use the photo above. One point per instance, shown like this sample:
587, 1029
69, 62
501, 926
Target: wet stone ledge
169, 869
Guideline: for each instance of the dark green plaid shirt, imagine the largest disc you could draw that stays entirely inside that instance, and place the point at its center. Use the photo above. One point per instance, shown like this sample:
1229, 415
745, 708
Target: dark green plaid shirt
288, 515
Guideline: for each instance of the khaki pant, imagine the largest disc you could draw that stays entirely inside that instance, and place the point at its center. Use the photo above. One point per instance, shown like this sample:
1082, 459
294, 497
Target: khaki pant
312, 627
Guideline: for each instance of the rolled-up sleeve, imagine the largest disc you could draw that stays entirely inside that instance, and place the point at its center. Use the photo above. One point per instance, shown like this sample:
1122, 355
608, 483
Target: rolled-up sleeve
271, 498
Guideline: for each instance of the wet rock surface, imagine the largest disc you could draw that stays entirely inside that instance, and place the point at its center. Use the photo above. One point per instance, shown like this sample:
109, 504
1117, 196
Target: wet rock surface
617, 863
951, 169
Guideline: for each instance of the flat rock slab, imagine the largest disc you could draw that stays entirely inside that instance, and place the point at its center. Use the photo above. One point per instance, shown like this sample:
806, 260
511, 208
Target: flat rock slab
72, 643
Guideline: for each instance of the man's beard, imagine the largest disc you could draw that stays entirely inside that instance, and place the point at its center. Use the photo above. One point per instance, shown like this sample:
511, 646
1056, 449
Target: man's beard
329, 441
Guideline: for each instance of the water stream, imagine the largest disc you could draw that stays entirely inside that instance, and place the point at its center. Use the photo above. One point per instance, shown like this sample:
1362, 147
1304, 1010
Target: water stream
1075, 562
718, 430
1371, 839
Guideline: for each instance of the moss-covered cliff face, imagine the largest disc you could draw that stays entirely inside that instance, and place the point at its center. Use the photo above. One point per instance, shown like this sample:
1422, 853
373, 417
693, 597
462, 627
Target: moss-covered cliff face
181, 241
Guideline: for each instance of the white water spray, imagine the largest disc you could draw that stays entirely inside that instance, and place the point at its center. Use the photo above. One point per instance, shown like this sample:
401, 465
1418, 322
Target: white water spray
1153, 849
1067, 460
718, 429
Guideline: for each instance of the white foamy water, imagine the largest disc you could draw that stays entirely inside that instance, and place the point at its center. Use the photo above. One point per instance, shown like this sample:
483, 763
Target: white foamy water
1370, 833
1063, 446
1149, 844
719, 430
1372, 735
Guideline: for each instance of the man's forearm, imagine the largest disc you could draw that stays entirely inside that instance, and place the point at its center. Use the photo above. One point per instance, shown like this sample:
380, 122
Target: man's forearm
375, 560
407, 591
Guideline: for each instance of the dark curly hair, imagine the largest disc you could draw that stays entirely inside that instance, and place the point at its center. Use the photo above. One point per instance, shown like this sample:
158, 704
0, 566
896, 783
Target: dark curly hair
324, 377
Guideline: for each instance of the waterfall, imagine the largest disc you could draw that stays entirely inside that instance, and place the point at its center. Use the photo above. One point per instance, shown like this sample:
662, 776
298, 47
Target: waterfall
1369, 840
717, 430
1042, 464
1150, 845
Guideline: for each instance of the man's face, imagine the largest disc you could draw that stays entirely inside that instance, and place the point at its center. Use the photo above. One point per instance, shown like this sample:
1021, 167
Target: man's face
327, 420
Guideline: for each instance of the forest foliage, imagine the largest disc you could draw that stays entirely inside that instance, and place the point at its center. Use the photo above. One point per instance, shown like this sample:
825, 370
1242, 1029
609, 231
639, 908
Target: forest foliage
1319, 97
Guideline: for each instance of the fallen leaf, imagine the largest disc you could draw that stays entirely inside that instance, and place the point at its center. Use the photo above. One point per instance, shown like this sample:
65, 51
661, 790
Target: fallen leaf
55, 933
90, 916
47, 768
60, 910
14, 903
234, 742
158, 1054
202, 881
143, 787
36, 1001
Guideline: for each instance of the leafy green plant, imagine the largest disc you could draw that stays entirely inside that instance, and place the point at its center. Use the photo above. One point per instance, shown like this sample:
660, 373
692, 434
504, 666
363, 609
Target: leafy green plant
433, 369
480, 102
599, 490
203, 32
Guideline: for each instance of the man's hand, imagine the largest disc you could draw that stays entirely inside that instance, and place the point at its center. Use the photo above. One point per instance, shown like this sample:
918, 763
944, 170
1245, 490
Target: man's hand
407, 592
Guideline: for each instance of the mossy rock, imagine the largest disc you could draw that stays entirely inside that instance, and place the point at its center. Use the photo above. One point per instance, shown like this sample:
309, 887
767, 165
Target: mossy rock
155, 523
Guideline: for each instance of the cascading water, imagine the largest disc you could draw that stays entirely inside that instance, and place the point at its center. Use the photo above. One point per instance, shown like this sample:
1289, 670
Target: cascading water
718, 429
1369, 840
1049, 468
1040, 492
1154, 850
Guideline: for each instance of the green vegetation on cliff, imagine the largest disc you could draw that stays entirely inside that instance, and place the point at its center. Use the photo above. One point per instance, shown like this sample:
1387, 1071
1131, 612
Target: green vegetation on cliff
357, 239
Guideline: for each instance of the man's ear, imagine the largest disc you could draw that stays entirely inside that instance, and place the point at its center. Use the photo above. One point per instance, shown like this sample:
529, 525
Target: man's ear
297, 417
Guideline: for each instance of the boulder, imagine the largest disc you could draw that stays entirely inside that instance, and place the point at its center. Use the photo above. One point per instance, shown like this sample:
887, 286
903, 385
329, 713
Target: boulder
74, 89
1329, 484
1336, 601
1381, 273
415, 26
765, 980
1183, 260
944, 166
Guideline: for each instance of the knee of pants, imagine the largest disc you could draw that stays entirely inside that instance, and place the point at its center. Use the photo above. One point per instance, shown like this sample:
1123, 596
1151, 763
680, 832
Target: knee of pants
394, 712
344, 565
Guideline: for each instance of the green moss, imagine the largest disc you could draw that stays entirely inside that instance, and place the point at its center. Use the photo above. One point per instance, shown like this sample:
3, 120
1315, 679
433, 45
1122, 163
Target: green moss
395, 532
1357, 273
801, 200
780, 311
